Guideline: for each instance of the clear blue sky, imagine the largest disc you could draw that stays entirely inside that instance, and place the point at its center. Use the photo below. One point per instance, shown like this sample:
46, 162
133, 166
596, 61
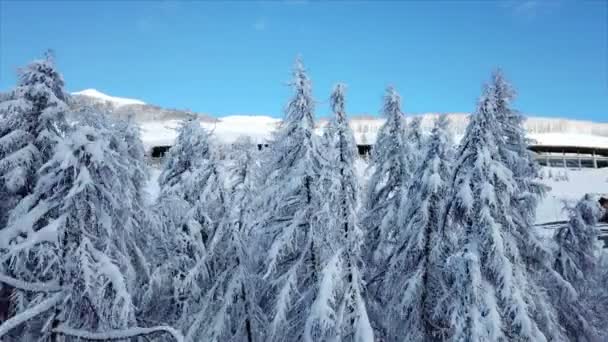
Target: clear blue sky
235, 57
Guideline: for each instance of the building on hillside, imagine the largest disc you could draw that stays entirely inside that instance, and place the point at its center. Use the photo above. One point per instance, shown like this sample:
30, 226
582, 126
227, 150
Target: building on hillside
555, 142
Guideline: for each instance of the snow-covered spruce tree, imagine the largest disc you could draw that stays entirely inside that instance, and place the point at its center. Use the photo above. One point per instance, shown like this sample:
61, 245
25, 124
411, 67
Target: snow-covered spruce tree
414, 280
32, 117
75, 218
230, 311
390, 175
339, 311
191, 207
286, 217
191, 171
512, 147
382, 200
416, 142
172, 256
576, 289
494, 290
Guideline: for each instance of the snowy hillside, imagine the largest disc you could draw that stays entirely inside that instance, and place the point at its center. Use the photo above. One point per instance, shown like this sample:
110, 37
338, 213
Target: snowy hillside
117, 101
159, 124
259, 128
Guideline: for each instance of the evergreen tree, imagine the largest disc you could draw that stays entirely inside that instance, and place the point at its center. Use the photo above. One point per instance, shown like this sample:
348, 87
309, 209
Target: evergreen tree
191, 171
493, 288
416, 143
74, 202
191, 208
339, 310
33, 118
512, 147
383, 198
415, 281
230, 310
72, 240
575, 288
285, 227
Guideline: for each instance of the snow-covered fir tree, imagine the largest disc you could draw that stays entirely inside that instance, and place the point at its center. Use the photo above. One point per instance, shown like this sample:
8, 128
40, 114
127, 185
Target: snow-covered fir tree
390, 174
576, 288
416, 141
339, 311
512, 147
382, 200
32, 119
191, 207
124, 138
74, 203
191, 171
414, 281
289, 203
230, 310
172, 255
494, 290
70, 243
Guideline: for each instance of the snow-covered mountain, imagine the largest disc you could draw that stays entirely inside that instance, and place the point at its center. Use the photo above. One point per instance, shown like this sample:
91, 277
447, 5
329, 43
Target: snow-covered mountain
124, 108
116, 101
159, 124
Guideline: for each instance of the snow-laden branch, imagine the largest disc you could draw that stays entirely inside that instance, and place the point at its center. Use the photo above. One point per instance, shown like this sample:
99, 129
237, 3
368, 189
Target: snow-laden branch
119, 334
30, 313
27, 286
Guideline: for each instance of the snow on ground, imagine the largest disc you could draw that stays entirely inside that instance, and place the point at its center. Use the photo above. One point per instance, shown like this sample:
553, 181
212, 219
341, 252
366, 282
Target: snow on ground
259, 129
117, 101
159, 133
230, 128
569, 191
227, 130
153, 188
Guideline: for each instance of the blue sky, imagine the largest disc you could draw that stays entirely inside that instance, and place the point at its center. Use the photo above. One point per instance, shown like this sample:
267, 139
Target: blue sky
235, 57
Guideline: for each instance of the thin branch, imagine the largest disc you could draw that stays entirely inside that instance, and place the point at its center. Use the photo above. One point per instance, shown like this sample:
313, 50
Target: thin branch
30, 313
119, 334
26, 286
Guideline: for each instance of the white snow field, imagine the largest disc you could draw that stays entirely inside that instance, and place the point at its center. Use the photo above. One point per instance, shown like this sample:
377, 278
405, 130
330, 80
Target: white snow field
260, 128
226, 130
569, 191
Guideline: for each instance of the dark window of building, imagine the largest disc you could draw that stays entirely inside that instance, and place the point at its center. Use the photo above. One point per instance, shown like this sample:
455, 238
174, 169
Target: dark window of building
159, 151
364, 150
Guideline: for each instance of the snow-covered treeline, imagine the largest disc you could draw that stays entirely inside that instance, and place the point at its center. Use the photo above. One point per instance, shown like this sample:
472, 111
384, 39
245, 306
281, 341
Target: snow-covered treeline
284, 244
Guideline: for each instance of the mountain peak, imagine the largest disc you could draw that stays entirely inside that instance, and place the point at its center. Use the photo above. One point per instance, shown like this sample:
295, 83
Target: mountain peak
117, 101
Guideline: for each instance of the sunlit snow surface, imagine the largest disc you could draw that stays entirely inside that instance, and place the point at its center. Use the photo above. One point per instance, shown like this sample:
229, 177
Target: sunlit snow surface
118, 101
570, 190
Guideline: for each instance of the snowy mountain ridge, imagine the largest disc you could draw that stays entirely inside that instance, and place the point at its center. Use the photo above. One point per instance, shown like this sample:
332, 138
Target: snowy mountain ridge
159, 124
117, 101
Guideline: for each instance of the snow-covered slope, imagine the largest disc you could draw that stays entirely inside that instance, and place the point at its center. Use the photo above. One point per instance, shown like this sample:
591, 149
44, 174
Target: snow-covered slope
117, 101
260, 128
226, 129
159, 124
567, 187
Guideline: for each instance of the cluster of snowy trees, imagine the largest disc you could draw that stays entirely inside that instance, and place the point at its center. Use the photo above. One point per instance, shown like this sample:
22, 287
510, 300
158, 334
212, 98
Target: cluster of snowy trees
284, 244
